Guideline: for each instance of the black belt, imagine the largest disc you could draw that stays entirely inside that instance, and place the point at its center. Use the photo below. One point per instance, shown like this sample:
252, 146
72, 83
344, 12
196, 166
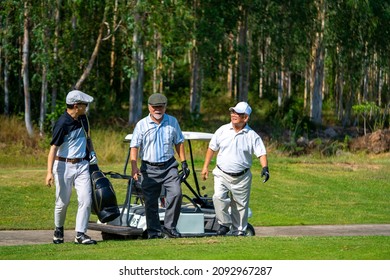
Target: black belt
71, 160
158, 163
235, 174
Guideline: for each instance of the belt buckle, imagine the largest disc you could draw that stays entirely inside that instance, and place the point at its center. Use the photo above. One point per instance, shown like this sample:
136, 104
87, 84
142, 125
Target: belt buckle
72, 160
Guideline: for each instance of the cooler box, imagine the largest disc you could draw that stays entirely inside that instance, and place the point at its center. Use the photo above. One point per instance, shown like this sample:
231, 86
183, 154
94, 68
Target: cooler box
191, 223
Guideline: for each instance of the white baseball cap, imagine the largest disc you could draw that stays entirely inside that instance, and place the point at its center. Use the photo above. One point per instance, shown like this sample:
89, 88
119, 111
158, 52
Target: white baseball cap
76, 96
242, 108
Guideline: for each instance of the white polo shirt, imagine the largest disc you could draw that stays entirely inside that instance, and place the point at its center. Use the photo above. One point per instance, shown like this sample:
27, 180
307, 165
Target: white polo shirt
236, 150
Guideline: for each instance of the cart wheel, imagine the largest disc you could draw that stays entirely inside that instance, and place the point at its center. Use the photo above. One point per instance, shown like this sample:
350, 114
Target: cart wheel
145, 235
250, 230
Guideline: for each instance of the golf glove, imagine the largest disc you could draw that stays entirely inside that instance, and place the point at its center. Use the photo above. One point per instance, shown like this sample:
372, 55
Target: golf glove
265, 173
186, 170
93, 158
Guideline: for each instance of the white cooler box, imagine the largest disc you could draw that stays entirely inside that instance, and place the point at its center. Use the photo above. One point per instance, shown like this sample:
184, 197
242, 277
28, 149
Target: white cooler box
191, 223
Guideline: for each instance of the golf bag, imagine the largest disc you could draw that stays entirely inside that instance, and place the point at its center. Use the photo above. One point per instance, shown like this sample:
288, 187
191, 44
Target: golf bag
104, 203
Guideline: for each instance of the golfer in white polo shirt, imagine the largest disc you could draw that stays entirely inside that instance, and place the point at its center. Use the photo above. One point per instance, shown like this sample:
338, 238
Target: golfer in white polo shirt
236, 143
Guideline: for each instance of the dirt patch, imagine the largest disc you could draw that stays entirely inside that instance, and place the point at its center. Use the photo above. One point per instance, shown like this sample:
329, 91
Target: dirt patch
376, 142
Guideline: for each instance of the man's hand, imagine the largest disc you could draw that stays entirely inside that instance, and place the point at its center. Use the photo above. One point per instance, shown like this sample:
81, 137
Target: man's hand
93, 158
204, 173
265, 173
186, 170
49, 179
135, 172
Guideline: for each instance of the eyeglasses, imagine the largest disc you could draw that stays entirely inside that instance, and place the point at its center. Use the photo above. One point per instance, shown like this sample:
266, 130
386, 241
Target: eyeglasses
86, 104
235, 113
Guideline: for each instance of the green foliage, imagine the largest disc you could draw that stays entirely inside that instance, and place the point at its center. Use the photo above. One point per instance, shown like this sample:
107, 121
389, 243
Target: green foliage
280, 37
373, 116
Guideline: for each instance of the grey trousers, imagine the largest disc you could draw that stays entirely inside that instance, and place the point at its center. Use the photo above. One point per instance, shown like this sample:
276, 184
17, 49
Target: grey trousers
154, 178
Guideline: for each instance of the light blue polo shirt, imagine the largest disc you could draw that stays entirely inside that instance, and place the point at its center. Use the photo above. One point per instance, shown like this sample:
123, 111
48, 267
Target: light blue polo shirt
155, 141
236, 149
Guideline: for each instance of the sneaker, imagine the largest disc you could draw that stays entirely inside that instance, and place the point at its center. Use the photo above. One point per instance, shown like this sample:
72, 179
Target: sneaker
223, 230
84, 239
58, 236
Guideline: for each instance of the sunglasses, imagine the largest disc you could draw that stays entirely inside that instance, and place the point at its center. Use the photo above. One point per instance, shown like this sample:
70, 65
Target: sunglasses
86, 104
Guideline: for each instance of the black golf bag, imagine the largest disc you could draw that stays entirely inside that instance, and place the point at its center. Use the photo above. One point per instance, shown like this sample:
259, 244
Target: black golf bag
104, 203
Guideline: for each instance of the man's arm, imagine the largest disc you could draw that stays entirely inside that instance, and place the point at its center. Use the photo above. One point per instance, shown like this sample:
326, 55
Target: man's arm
50, 161
207, 160
181, 151
263, 161
133, 161
264, 165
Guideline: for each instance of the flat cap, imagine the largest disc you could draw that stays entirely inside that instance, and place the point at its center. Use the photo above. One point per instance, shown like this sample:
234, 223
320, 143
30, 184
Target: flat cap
76, 96
157, 99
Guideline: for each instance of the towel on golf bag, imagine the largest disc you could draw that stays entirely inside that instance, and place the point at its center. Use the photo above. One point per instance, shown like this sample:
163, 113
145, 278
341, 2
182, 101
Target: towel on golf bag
104, 203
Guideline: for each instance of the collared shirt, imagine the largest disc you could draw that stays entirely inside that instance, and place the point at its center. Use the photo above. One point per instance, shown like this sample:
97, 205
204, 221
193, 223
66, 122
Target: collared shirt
70, 136
155, 141
236, 148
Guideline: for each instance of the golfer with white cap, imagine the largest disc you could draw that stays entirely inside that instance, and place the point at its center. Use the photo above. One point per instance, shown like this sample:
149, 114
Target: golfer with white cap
235, 142
70, 154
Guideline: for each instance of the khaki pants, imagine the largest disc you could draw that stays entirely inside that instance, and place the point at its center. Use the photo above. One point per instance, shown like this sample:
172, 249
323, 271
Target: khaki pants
231, 194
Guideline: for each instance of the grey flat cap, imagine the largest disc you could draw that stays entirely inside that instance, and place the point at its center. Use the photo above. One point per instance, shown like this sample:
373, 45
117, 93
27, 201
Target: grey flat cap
76, 96
157, 99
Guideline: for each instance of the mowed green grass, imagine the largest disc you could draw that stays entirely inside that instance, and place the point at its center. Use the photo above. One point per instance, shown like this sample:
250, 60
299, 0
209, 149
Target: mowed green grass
212, 248
301, 191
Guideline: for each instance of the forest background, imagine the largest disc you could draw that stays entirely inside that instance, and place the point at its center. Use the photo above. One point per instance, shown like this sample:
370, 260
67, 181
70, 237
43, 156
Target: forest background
302, 65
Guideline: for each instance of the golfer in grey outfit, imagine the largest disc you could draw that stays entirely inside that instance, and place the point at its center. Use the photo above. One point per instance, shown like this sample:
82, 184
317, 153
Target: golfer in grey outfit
68, 166
153, 140
236, 143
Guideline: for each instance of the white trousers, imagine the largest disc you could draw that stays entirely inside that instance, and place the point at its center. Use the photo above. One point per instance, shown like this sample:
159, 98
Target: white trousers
232, 192
66, 176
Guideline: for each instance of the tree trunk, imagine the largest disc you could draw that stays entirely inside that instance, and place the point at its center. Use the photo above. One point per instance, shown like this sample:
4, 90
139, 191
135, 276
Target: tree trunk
42, 112
112, 55
306, 92
261, 72
243, 46
95, 52
318, 71
280, 78
136, 81
54, 91
157, 76
196, 84
230, 71
25, 73
6, 81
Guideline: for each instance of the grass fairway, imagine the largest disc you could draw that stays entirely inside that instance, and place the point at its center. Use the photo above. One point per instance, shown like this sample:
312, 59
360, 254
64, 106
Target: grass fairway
212, 248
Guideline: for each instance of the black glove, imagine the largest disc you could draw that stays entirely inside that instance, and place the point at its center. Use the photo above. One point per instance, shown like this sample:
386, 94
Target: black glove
265, 173
185, 169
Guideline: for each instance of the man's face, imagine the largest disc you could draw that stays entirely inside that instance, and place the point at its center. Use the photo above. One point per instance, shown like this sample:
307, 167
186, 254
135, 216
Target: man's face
157, 112
238, 119
82, 108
